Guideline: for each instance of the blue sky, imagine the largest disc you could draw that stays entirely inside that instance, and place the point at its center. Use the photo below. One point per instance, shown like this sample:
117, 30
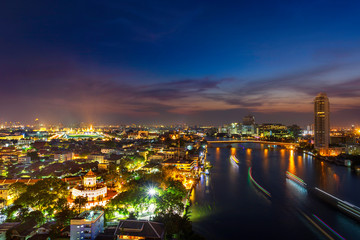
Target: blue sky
199, 62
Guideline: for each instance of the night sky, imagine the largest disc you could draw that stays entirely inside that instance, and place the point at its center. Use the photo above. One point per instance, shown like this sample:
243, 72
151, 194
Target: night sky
196, 62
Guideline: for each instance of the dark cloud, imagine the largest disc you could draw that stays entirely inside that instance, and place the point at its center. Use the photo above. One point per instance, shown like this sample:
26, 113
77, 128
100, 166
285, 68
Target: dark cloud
61, 90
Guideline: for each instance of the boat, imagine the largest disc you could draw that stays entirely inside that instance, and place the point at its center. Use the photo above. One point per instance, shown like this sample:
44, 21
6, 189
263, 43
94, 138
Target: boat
234, 159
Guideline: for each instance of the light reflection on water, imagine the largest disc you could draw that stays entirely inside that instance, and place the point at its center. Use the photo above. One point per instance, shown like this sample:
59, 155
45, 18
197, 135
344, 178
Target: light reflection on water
226, 202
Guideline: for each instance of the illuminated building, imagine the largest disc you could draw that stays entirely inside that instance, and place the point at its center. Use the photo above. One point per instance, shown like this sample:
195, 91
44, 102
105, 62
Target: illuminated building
248, 126
273, 130
181, 164
88, 225
94, 192
322, 121
63, 156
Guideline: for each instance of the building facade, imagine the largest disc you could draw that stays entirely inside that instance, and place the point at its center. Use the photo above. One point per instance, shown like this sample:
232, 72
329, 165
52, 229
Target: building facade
87, 226
95, 193
322, 121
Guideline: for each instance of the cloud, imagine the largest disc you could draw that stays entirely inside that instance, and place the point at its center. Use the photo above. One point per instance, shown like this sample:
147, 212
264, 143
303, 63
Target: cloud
63, 89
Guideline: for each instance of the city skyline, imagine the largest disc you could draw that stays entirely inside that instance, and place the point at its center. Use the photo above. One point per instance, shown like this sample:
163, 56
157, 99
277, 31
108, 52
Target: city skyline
179, 62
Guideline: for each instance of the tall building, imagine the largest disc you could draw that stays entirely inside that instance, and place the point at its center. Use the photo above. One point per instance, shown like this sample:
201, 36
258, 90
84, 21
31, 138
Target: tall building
249, 120
248, 126
322, 121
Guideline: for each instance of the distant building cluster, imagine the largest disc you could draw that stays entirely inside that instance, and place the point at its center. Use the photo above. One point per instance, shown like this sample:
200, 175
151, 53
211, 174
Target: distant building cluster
96, 164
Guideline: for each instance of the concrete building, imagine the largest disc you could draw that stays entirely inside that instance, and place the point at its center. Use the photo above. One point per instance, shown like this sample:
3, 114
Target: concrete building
322, 121
63, 156
87, 226
181, 164
96, 158
248, 126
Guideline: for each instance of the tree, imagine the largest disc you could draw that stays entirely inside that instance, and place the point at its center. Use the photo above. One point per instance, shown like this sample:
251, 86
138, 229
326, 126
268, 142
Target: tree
64, 216
33, 155
47, 196
16, 189
169, 202
37, 215
178, 227
295, 131
80, 202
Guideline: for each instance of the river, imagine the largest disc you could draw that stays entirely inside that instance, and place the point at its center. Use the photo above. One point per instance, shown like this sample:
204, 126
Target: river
227, 205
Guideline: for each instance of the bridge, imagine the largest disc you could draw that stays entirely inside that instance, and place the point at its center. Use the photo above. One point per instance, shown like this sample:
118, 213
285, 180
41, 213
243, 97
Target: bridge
254, 141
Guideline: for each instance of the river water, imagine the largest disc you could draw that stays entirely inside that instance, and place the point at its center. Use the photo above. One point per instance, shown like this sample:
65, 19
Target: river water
227, 205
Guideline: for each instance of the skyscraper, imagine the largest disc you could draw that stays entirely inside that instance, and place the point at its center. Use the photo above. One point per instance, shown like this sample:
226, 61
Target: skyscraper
322, 121
248, 126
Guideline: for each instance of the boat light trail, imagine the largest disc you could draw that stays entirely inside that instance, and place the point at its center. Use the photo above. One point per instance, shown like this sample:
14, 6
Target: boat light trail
348, 209
317, 226
295, 178
328, 227
256, 184
328, 194
234, 159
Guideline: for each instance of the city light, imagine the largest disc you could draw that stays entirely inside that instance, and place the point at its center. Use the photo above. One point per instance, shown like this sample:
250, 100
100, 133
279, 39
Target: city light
152, 192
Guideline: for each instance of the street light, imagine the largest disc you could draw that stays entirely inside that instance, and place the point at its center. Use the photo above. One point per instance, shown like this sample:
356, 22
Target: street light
152, 191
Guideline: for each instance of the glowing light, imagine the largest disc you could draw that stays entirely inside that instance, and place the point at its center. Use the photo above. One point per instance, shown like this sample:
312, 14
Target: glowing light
317, 226
291, 162
256, 184
295, 178
348, 209
152, 192
234, 159
328, 227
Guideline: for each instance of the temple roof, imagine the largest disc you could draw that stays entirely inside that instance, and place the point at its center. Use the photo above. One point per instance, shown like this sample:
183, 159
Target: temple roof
90, 174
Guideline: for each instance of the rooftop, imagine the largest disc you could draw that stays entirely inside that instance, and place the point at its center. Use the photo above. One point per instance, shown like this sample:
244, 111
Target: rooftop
147, 229
90, 174
89, 215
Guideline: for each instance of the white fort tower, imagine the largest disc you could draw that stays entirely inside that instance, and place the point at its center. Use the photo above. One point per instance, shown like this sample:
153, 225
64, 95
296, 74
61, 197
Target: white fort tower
93, 191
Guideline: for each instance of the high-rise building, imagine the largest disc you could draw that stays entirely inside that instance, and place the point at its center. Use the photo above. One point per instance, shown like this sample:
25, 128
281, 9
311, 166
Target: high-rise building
248, 126
322, 121
249, 120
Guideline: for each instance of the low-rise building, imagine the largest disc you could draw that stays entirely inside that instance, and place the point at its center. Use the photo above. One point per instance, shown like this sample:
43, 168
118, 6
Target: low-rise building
139, 229
96, 193
96, 158
63, 156
24, 159
87, 226
181, 164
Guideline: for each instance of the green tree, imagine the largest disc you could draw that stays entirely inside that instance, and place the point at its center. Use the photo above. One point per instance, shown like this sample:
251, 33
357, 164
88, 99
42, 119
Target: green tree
80, 202
47, 196
33, 155
64, 216
178, 227
295, 131
16, 189
37, 215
